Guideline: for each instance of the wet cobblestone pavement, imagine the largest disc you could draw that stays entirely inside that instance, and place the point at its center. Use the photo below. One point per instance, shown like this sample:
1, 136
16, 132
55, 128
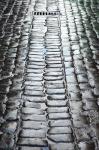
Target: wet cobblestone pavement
49, 75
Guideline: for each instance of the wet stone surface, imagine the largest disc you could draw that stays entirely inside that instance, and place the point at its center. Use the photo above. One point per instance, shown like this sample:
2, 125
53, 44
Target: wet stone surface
49, 75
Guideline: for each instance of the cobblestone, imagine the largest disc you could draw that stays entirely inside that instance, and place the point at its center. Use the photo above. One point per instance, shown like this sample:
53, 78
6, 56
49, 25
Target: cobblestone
49, 75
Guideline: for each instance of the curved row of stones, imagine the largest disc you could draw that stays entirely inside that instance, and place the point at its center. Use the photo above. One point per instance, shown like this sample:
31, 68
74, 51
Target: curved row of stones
49, 75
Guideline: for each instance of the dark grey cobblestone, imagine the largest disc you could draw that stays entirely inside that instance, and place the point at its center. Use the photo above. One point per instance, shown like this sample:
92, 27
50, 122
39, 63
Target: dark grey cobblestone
49, 75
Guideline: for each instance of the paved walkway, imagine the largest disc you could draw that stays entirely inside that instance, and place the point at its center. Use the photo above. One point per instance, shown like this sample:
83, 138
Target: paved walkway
49, 75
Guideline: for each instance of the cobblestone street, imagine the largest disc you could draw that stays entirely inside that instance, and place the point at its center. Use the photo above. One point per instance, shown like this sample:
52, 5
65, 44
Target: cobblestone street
49, 75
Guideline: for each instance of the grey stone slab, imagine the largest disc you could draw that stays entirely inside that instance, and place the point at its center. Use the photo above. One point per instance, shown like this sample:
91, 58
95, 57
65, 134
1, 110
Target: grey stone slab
60, 123
34, 125
61, 138
57, 109
34, 117
27, 110
31, 142
59, 130
31, 133
58, 116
